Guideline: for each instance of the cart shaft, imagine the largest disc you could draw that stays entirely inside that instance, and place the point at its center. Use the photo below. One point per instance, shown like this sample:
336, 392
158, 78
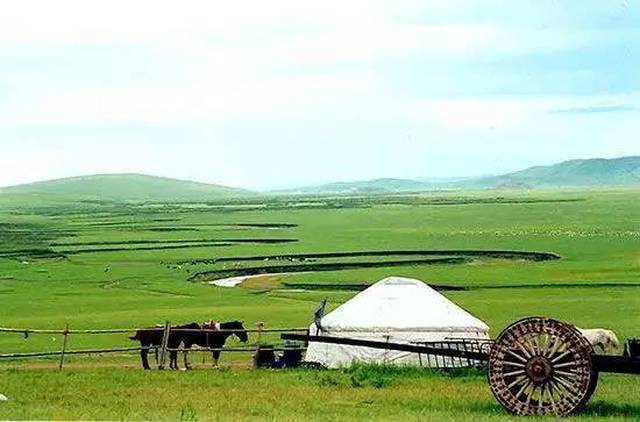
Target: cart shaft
428, 350
617, 364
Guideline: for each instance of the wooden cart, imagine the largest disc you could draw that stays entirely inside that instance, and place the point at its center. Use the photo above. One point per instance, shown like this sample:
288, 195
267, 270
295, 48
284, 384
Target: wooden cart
536, 366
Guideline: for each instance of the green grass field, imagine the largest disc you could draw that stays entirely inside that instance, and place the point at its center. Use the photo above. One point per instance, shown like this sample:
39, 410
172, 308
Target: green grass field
101, 264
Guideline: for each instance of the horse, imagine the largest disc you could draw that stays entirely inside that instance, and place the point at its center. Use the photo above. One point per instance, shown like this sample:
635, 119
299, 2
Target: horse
152, 337
601, 339
213, 336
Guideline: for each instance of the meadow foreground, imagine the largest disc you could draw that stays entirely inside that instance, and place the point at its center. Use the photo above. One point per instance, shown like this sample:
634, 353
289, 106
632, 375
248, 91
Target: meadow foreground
117, 265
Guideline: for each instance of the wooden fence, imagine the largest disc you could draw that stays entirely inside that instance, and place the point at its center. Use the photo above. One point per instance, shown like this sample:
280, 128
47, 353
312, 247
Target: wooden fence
162, 348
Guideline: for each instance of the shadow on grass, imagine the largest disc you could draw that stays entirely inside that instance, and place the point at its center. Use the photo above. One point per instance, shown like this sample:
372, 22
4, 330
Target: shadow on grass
602, 408
276, 269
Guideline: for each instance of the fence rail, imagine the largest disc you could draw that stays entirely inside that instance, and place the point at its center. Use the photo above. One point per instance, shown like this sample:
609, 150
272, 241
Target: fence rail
133, 330
163, 348
130, 349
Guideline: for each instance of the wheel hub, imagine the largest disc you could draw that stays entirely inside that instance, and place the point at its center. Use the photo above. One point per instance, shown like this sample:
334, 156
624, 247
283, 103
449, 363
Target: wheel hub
539, 369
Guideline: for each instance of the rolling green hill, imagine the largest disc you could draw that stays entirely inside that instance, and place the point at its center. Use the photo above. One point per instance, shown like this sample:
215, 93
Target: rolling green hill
366, 186
590, 172
128, 187
595, 172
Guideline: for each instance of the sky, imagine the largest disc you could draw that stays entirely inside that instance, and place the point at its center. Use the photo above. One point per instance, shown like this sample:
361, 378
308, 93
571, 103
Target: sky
269, 94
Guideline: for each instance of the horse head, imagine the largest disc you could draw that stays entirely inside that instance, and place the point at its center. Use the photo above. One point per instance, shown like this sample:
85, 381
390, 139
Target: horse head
239, 330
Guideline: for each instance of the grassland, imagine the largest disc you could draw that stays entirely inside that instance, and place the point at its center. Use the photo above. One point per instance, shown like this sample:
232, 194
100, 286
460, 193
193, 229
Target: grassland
104, 264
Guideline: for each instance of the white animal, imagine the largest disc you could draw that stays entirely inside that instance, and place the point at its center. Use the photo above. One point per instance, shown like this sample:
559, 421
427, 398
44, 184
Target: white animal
601, 339
3, 397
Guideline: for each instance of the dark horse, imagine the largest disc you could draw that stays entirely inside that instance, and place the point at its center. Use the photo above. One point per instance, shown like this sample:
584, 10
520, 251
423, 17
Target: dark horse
212, 336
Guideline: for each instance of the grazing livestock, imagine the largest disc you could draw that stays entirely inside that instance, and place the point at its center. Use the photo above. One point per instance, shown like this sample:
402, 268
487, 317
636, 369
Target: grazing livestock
152, 337
601, 339
205, 335
211, 338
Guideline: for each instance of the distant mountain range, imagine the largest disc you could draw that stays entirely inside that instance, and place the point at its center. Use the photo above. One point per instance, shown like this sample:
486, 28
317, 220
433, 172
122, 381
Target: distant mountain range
129, 187
573, 173
594, 172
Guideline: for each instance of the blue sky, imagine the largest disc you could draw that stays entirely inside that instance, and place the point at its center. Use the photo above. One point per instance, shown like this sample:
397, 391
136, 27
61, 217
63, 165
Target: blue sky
285, 93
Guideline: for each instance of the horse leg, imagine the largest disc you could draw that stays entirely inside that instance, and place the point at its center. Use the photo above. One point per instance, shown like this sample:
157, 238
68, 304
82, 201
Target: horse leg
215, 356
144, 351
173, 359
186, 359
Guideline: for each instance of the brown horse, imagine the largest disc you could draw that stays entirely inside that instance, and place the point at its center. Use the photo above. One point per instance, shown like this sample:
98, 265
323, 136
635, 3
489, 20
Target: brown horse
213, 336
207, 335
152, 337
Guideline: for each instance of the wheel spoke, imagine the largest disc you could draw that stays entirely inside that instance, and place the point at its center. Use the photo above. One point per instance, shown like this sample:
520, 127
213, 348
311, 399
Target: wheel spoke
530, 395
516, 364
532, 348
558, 376
551, 398
516, 356
563, 390
525, 351
512, 373
538, 342
564, 365
553, 386
554, 348
535, 345
571, 375
524, 387
566, 385
517, 381
544, 344
541, 399
560, 356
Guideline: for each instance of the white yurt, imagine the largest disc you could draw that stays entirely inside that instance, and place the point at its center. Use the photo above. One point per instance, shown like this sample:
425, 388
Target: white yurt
395, 310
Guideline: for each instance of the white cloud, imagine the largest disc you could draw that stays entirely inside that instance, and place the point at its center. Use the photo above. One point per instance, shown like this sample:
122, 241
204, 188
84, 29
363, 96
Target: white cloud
76, 21
209, 100
310, 78
224, 57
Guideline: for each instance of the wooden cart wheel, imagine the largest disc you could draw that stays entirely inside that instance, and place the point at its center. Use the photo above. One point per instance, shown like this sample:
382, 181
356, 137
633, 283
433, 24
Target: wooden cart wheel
540, 366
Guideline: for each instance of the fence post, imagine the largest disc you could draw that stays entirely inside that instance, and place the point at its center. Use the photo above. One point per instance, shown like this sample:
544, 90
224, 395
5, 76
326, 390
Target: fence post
65, 333
386, 351
165, 341
259, 327
256, 356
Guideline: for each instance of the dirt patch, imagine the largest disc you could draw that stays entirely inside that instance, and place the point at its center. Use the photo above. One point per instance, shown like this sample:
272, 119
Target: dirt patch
250, 281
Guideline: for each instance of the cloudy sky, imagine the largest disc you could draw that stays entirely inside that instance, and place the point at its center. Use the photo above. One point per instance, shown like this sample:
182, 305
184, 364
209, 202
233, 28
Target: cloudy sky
279, 93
